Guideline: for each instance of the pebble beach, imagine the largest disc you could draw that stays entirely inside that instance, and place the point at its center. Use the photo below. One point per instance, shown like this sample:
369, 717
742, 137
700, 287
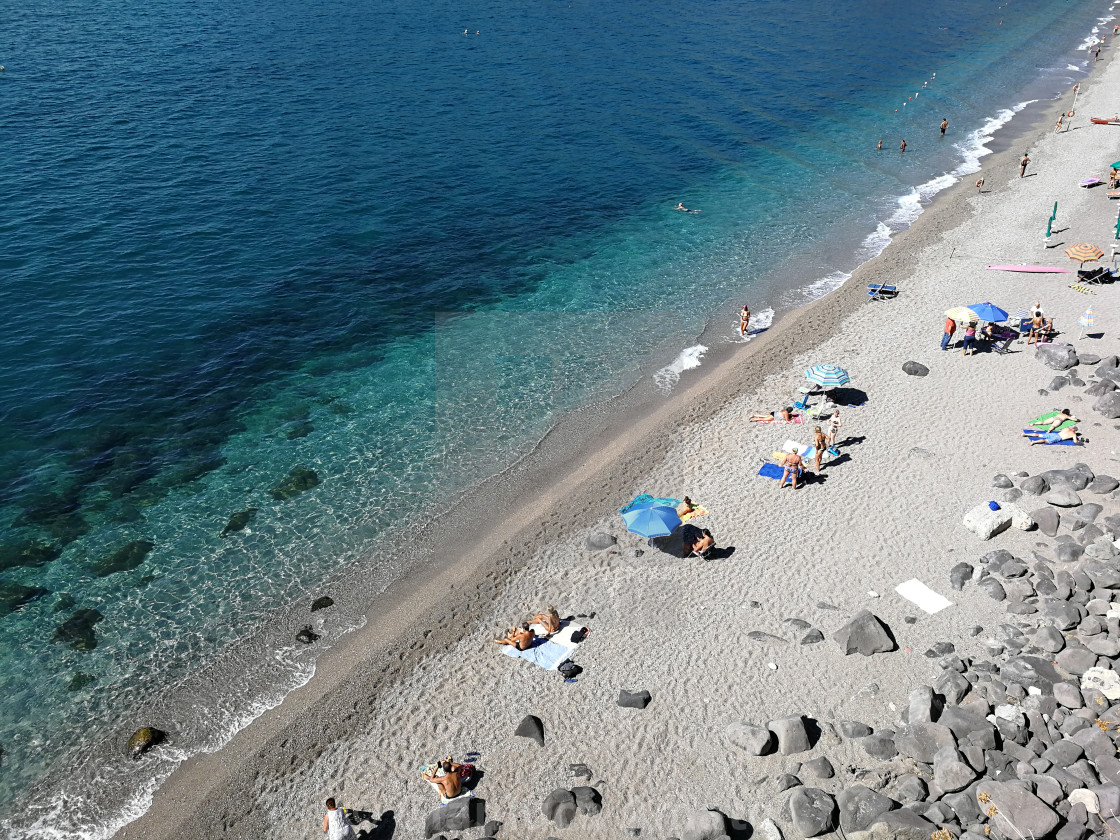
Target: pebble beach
994, 716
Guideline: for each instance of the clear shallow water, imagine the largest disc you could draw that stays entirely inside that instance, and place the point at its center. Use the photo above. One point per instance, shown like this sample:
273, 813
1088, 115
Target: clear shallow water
242, 238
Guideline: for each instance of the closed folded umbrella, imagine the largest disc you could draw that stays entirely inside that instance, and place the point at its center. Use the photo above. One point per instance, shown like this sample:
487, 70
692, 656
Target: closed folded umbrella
651, 522
988, 312
1086, 320
827, 376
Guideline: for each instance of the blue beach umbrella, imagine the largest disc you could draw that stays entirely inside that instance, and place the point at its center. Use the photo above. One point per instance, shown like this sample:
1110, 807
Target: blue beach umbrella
827, 376
659, 521
988, 312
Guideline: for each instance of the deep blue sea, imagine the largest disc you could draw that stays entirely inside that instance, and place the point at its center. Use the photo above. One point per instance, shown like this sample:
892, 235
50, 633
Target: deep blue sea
390, 243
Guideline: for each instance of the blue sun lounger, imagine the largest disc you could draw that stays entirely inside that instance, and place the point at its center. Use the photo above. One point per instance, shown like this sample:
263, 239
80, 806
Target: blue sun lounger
881, 291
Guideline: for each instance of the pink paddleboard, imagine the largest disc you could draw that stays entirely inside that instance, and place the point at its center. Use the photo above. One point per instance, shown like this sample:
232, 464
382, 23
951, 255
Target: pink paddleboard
1034, 269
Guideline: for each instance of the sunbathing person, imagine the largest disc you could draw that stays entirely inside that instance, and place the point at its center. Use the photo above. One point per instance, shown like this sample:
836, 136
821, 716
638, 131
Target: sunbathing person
445, 776
792, 465
781, 414
549, 620
703, 544
519, 637
1061, 415
1069, 433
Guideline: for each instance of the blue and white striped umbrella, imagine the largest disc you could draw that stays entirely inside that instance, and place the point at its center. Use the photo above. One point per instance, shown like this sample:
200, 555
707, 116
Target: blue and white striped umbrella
827, 376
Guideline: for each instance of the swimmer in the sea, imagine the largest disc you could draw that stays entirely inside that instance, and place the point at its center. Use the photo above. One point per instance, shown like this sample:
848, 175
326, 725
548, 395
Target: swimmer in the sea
680, 206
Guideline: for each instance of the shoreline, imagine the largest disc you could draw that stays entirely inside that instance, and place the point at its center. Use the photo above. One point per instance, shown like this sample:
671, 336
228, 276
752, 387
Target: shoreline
371, 658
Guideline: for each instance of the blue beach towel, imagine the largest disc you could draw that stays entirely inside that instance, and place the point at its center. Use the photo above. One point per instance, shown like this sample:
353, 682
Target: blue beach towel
645, 499
773, 471
1037, 435
547, 655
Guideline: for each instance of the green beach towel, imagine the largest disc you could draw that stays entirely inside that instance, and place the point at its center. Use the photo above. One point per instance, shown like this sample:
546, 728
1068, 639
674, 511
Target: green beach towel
1046, 418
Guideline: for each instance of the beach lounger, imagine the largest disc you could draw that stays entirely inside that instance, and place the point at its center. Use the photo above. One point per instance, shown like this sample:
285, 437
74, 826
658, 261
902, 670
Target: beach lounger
551, 653
880, 291
1113, 193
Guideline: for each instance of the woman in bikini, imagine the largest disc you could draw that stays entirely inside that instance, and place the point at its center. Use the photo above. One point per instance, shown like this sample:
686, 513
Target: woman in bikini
820, 443
549, 620
744, 320
781, 414
519, 637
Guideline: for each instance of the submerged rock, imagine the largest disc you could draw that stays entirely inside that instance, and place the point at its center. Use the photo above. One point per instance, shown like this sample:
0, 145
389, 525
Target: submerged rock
238, 521
78, 630
322, 603
144, 739
80, 681
27, 553
124, 559
307, 635
299, 480
14, 595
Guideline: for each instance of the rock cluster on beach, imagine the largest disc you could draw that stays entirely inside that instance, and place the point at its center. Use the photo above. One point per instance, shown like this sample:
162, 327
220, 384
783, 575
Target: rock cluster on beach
1020, 744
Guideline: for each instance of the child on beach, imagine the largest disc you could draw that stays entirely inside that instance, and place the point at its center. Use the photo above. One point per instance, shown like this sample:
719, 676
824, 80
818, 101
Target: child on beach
834, 424
335, 824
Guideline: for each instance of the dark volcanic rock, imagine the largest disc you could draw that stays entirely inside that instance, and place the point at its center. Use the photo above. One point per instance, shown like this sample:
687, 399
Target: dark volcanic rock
1056, 356
299, 480
914, 368
634, 699
531, 727
812, 811
15, 595
124, 559
322, 603
307, 635
78, 630
144, 739
864, 634
457, 815
27, 553
860, 806
238, 521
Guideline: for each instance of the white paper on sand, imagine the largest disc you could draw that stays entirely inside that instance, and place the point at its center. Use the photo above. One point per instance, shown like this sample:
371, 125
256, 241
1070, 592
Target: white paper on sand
918, 593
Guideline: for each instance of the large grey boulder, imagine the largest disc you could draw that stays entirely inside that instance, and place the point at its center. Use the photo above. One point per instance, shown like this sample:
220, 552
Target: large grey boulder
560, 807
1018, 812
1056, 356
865, 634
589, 801
901, 824
705, 825
960, 574
754, 740
457, 815
1062, 497
1036, 485
600, 541
921, 741
634, 699
1102, 484
532, 728
1108, 405
860, 806
812, 811
879, 746
914, 368
1047, 520
951, 772
792, 734
985, 522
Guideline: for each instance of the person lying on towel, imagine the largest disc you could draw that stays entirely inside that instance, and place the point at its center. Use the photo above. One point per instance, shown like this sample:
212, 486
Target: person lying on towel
521, 637
687, 509
780, 414
1061, 415
1069, 433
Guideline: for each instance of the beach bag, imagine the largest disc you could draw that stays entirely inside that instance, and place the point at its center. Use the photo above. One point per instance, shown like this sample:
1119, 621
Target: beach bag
579, 635
466, 772
569, 669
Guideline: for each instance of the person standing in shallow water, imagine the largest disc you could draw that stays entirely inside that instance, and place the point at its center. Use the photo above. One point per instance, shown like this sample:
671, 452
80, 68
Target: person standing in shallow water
744, 320
944, 125
902, 146
879, 148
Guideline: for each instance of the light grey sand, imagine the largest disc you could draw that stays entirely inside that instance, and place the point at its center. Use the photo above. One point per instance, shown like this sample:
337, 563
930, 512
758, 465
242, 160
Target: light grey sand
919, 454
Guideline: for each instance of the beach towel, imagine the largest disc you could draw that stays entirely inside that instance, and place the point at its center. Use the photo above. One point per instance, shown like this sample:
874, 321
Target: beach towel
698, 510
645, 499
774, 471
918, 593
550, 653
1045, 437
804, 450
443, 800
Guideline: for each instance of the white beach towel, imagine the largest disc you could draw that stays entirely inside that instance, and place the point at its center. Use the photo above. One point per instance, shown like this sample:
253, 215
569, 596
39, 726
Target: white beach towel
918, 593
550, 654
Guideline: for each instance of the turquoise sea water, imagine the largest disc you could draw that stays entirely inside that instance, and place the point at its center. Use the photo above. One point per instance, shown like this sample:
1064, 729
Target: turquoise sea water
354, 238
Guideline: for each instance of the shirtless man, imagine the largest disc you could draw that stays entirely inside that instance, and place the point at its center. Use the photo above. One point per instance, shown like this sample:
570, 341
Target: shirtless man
902, 146
944, 125
1023, 165
448, 780
704, 543
792, 465
549, 620
519, 637
1070, 433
